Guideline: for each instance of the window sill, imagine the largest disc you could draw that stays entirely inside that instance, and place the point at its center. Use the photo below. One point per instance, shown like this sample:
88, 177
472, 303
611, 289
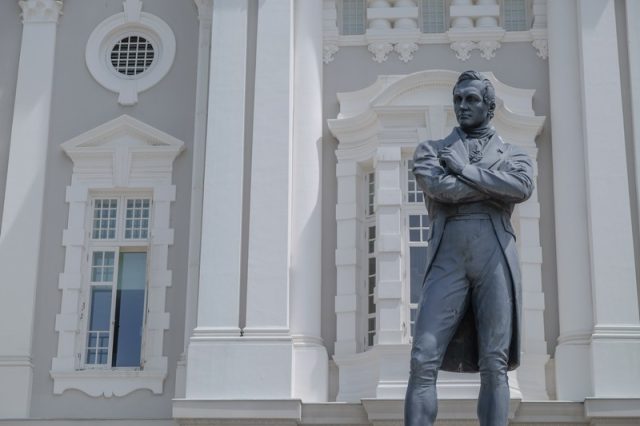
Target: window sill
108, 383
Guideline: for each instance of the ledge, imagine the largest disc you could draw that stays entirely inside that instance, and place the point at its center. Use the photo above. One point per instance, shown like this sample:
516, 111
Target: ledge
108, 383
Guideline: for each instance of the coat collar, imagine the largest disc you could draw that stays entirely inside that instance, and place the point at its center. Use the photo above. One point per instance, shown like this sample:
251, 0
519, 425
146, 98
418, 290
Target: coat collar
492, 152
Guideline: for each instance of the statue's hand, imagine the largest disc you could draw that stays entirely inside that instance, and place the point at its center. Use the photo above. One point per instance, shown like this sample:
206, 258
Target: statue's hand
452, 160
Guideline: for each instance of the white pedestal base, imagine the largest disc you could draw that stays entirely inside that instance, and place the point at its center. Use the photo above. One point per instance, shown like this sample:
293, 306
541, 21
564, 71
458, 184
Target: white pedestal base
615, 364
247, 368
15, 388
573, 363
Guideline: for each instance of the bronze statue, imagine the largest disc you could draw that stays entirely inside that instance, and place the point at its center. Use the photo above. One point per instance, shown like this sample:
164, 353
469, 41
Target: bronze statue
469, 311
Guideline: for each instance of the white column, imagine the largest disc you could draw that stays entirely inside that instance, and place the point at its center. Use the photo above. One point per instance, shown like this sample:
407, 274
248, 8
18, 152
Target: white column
205, 15
23, 203
615, 342
269, 229
259, 364
220, 264
310, 356
570, 199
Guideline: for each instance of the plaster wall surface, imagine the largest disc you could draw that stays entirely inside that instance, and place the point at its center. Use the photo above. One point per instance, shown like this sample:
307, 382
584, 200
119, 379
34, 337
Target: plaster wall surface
80, 104
10, 37
515, 64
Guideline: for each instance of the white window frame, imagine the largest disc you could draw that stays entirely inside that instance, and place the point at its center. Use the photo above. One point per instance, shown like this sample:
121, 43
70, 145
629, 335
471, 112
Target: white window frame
132, 21
123, 157
117, 245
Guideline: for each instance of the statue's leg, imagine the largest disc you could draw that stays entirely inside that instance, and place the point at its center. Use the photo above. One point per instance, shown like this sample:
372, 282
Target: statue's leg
445, 297
492, 299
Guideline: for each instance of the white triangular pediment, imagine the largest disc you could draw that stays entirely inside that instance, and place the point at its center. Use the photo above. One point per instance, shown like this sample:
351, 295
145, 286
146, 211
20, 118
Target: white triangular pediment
123, 152
122, 132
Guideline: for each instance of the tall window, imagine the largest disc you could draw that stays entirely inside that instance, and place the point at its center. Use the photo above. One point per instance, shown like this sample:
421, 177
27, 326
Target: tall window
370, 224
515, 16
417, 233
351, 17
117, 271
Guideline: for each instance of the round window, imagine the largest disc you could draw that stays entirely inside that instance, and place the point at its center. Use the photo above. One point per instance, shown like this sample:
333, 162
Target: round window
132, 55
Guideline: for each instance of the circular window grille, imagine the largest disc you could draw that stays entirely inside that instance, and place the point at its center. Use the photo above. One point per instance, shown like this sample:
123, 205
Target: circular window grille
132, 55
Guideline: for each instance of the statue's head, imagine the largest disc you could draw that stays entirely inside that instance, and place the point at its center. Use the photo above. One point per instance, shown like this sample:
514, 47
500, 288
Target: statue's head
474, 100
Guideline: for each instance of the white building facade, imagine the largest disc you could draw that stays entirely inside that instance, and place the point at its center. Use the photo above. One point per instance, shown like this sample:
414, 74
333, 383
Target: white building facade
208, 214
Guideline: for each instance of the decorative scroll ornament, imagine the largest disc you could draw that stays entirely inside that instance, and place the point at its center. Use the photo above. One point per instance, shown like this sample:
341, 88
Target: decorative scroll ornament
380, 51
488, 48
542, 46
463, 49
405, 50
328, 50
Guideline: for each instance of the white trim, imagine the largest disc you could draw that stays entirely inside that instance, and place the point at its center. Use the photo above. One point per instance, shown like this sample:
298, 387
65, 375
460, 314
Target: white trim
130, 22
127, 157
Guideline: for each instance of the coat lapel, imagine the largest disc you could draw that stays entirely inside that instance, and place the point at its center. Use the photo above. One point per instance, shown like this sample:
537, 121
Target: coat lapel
492, 153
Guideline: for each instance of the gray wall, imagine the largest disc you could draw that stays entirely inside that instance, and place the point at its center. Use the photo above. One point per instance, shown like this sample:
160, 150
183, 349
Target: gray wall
80, 104
10, 36
515, 64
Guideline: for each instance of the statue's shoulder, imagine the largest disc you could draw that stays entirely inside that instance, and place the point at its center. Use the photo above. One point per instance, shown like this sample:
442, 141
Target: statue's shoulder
512, 149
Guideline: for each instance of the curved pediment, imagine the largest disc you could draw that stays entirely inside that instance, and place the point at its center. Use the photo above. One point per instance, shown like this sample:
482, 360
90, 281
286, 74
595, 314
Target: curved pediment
423, 100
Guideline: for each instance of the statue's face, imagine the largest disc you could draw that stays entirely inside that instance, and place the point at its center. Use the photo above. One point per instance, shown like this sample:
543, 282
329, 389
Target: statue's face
469, 106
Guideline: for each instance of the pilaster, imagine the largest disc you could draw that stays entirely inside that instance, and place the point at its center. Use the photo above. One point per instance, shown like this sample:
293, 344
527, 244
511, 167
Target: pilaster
615, 340
268, 279
570, 199
218, 292
24, 202
205, 17
310, 360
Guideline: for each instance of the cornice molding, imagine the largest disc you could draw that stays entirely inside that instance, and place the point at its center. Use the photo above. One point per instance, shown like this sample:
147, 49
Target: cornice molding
40, 10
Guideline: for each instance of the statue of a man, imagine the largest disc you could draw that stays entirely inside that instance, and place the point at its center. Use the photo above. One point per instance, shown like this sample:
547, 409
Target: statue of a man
469, 309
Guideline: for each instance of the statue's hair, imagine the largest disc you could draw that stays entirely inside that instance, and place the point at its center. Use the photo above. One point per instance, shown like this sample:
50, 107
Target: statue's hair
488, 92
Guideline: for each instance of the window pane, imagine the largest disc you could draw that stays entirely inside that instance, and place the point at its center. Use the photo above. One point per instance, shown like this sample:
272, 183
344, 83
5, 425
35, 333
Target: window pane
353, 17
129, 309
104, 219
515, 15
99, 322
414, 192
102, 266
134, 226
433, 16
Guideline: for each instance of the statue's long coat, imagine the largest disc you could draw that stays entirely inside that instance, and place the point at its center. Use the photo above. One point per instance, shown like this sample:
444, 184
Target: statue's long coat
502, 178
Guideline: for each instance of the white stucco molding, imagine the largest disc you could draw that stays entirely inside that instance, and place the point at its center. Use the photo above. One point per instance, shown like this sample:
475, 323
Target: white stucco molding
123, 154
132, 21
381, 39
40, 10
399, 111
